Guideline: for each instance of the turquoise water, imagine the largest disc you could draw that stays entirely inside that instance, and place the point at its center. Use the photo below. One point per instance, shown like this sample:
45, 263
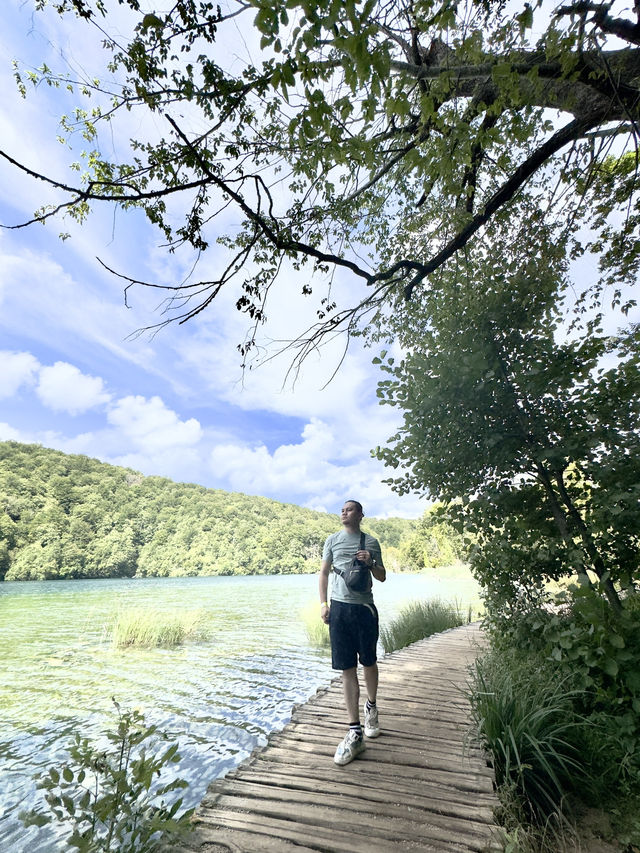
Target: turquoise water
219, 698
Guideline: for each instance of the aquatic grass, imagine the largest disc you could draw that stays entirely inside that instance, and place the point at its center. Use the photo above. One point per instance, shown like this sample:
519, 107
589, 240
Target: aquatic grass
317, 631
418, 620
526, 719
149, 629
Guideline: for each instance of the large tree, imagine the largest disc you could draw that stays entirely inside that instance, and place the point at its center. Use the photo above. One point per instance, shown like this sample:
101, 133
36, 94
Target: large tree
354, 121
527, 430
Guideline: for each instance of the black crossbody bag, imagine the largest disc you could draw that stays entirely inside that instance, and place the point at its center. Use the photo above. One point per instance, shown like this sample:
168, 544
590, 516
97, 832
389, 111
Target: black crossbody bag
358, 576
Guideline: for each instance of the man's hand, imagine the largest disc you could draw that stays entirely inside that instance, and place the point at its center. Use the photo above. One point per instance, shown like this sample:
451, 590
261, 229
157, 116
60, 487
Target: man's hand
324, 613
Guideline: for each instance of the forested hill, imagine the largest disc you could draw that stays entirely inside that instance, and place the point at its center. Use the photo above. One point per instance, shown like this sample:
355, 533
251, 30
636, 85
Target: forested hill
64, 516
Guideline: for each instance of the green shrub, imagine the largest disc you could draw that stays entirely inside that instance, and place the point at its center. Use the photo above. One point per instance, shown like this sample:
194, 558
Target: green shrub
152, 628
110, 796
418, 620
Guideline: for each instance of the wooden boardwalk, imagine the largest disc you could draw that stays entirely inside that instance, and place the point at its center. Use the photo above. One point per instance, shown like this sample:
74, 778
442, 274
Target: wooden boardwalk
420, 786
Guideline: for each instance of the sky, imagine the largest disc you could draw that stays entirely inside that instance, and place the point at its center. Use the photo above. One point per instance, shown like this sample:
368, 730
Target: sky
75, 376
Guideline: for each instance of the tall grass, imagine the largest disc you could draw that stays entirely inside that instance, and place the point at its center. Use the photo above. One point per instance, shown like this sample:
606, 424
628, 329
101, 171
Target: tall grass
317, 631
152, 628
525, 717
418, 620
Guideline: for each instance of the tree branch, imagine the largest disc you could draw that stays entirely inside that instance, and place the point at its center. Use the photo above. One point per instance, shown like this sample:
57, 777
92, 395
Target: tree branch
571, 131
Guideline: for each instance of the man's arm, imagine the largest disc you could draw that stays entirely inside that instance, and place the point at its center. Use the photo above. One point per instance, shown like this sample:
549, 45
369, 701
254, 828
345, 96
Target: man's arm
379, 572
323, 588
373, 558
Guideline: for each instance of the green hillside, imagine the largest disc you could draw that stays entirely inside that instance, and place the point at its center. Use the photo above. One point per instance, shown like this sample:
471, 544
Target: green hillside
66, 516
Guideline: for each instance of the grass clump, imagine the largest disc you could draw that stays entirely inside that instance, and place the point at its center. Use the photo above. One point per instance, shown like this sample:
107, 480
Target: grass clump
317, 631
418, 620
149, 629
561, 729
525, 718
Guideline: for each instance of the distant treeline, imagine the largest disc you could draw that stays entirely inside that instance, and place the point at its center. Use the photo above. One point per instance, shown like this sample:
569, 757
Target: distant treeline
64, 516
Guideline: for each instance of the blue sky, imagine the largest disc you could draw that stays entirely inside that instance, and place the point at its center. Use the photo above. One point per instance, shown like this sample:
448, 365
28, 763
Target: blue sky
174, 404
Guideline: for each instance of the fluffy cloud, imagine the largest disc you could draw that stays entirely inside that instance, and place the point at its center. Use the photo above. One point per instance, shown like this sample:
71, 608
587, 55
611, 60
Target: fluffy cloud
16, 369
64, 388
150, 426
314, 473
8, 433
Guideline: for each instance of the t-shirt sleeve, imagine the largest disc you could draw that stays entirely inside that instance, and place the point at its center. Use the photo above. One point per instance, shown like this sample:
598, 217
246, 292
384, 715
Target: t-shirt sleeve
327, 551
373, 546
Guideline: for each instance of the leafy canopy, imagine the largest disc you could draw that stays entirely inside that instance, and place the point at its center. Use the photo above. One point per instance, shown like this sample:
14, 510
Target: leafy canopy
351, 122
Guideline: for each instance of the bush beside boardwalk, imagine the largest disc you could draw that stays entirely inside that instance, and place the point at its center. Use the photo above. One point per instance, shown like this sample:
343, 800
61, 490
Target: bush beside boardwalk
556, 702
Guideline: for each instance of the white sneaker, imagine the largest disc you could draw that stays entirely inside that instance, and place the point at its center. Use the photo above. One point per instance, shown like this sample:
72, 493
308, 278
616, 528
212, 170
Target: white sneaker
350, 746
371, 724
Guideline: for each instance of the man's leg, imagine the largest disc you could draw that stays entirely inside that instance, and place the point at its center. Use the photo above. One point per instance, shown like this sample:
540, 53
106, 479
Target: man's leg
351, 688
371, 723
371, 682
352, 744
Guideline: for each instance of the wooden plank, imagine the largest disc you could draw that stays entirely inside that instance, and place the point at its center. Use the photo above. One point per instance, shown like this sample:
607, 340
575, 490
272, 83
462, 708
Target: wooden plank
420, 786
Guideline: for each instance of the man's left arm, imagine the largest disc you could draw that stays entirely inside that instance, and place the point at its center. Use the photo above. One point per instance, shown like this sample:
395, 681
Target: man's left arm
377, 567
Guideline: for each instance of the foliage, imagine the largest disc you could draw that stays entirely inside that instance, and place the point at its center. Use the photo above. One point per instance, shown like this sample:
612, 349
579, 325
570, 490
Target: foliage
149, 628
527, 722
599, 653
111, 796
528, 435
435, 543
64, 516
418, 620
560, 731
374, 119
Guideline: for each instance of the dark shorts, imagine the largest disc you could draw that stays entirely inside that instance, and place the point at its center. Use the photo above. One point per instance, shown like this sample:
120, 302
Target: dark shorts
353, 629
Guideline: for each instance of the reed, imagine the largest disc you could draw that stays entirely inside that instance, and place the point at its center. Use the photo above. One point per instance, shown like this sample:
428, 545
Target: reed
317, 631
153, 628
418, 620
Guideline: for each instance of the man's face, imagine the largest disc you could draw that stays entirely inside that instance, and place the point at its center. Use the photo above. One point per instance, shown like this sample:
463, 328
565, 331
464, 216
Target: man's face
351, 515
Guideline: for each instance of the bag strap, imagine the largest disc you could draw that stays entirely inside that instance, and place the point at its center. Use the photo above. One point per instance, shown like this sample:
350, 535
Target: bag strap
361, 548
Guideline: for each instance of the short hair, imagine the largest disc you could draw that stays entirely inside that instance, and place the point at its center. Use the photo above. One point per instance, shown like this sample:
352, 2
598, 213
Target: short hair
357, 503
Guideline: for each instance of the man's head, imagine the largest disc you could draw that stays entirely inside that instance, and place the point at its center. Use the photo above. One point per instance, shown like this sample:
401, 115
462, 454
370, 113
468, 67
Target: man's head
352, 514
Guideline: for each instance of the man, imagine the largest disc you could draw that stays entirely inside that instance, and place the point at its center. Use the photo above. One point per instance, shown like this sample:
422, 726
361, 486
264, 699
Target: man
353, 626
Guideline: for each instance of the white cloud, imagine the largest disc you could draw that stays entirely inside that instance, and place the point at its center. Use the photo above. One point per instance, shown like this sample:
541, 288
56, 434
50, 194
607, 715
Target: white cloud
64, 388
150, 426
313, 472
8, 433
16, 369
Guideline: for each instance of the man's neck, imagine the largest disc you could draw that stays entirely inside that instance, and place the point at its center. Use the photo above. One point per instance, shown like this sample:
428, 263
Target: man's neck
349, 528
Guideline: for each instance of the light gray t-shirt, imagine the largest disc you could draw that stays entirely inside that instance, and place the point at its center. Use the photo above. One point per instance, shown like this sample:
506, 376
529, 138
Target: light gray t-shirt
340, 549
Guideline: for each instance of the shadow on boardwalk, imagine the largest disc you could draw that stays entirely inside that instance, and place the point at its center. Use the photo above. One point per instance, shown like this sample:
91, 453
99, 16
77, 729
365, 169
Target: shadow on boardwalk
420, 786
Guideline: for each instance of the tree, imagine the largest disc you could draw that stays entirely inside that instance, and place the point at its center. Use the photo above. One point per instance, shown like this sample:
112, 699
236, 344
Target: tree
356, 120
527, 432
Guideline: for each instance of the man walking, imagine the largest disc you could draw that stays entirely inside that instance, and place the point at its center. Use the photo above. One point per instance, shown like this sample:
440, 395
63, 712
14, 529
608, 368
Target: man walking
353, 625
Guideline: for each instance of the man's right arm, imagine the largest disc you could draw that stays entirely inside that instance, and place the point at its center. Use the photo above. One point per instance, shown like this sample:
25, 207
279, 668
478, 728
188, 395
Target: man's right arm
323, 588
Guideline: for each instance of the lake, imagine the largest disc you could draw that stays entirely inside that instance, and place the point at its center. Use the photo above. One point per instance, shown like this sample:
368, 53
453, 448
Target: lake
219, 698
